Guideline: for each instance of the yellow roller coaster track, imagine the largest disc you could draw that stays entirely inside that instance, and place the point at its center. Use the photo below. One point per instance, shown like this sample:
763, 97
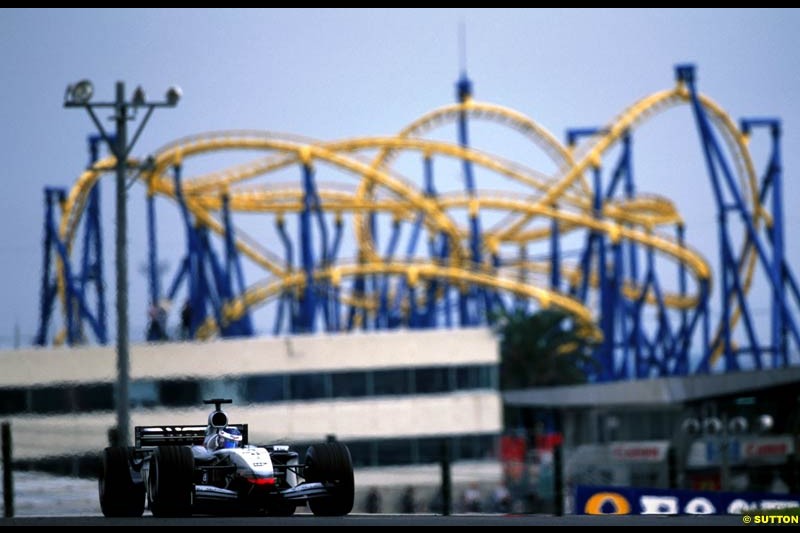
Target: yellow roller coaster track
564, 197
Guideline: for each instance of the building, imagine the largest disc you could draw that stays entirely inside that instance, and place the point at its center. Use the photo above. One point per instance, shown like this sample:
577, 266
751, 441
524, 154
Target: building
391, 396
736, 431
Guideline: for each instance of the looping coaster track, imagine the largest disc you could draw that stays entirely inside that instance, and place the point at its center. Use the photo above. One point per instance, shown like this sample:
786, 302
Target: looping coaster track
633, 282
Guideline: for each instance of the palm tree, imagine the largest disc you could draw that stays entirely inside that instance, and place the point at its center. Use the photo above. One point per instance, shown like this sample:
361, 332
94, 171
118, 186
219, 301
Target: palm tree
542, 349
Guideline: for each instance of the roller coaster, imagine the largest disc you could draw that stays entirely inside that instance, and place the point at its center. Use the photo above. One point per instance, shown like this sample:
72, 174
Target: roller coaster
632, 281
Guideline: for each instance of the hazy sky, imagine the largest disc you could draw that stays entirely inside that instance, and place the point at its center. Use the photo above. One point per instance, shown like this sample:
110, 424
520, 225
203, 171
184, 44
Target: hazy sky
329, 74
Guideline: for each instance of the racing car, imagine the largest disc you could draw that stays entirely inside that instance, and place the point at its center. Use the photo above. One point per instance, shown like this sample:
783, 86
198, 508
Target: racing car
183, 470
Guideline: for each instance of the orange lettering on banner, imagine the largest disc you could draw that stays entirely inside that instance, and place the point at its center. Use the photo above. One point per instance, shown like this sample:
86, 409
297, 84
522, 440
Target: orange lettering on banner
597, 502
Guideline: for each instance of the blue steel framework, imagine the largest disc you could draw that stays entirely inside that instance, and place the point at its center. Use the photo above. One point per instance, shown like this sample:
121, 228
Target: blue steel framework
78, 307
607, 265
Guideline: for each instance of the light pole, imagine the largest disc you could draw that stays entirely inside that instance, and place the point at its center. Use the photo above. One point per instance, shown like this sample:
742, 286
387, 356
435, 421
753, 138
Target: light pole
80, 95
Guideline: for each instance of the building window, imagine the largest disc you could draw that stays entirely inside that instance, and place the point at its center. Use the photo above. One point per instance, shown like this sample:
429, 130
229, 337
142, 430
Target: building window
391, 382
179, 393
13, 401
349, 384
265, 389
430, 450
270, 388
223, 388
363, 453
144, 393
308, 386
468, 377
422, 450
52, 400
395, 452
432, 380
475, 447
95, 397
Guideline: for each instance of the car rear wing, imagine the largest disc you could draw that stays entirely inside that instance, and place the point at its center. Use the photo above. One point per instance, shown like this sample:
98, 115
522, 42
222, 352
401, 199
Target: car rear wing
151, 436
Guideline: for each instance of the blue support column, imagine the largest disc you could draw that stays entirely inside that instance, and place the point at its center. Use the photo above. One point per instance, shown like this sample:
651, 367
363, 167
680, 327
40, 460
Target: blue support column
335, 290
412, 307
623, 168
630, 192
444, 258
707, 348
194, 261
472, 295
218, 292
773, 183
77, 307
521, 302
278, 324
307, 300
322, 287
617, 320
182, 272
382, 315
89, 274
152, 256
86, 271
438, 251
633, 268
48, 287
96, 245
338, 226
780, 356
721, 175
682, 274
155, 315
371, 282
233, 268
605, 350
287, 298
336, 308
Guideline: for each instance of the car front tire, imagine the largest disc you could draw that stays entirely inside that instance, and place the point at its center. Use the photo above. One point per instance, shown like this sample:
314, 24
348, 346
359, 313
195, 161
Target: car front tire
119, 495
170, 481
331, 463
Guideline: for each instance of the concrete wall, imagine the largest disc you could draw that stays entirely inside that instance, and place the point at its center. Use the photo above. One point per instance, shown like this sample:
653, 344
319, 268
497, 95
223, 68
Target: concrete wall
457, 413
251, 356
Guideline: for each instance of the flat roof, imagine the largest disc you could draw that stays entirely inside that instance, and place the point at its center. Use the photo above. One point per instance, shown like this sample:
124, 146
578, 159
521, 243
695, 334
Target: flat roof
652, 392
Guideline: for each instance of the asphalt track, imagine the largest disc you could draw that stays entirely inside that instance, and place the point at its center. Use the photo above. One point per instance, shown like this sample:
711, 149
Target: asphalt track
384, 520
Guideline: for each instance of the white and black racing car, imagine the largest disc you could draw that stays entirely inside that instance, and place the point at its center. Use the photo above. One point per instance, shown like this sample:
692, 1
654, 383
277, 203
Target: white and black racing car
183, 470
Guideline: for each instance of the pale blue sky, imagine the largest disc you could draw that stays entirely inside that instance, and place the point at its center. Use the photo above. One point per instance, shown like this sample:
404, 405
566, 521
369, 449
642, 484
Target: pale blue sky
331, 74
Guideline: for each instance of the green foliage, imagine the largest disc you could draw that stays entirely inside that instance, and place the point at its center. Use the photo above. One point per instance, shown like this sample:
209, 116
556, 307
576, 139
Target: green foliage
542, 349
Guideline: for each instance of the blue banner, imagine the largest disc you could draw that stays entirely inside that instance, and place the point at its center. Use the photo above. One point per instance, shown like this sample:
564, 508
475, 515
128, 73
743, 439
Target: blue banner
627, 500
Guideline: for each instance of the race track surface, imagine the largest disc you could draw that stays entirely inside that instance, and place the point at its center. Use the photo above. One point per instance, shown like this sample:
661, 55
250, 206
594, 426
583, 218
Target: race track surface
382, 520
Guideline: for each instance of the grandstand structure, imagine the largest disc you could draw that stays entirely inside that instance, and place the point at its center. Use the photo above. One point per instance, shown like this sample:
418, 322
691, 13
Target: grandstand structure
371, 234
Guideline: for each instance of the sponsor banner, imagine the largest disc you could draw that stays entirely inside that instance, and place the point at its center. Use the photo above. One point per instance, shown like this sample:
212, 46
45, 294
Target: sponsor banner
777, 447
626, 500
640, 452
741, 449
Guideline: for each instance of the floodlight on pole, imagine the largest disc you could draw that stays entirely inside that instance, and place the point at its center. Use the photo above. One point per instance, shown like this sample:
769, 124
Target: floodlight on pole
139, 97
81, 92
174, 94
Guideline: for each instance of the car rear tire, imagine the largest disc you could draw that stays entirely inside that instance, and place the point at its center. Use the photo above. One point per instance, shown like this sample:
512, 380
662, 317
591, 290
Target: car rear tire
170, 481
119, 495
330, 462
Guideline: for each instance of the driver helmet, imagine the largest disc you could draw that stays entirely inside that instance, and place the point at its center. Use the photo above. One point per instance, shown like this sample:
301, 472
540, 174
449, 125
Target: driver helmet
229, 437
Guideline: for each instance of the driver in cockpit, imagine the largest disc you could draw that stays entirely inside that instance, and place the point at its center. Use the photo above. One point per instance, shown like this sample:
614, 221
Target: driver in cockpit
227, 437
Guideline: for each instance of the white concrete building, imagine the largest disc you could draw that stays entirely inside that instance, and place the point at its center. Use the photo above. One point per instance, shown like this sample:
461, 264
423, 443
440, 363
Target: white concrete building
391, 396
